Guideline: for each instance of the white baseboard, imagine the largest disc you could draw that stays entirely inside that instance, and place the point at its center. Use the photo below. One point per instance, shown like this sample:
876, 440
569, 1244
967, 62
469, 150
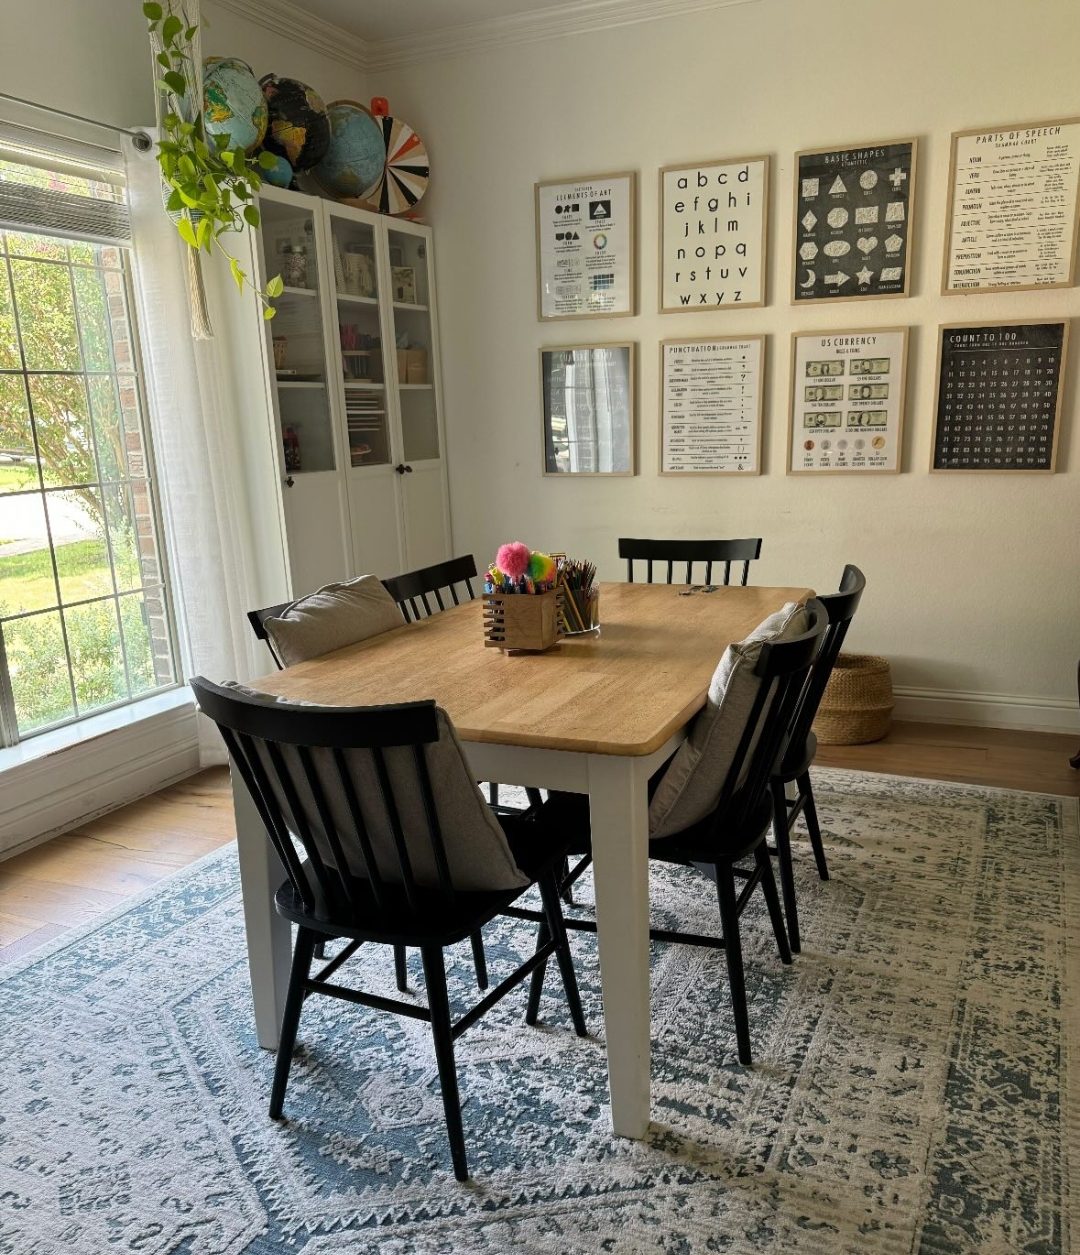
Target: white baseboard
988, 710
44, 796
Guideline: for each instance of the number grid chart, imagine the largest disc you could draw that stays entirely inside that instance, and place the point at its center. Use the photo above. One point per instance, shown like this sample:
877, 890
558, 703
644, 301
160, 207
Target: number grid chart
999, 394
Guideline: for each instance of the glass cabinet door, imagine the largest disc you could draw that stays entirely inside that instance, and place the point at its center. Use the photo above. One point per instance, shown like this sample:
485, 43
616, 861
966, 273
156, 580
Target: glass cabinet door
289, 243
414, 362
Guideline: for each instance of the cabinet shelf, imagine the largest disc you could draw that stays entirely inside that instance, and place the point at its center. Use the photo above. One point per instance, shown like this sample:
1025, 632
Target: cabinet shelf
357, 300
409, 305
299, 291
301, 383
414, 387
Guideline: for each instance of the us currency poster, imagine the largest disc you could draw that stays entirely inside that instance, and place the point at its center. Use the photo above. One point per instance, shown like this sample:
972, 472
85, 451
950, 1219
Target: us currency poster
853, 228
1014, 196
585, 241
711, 404
847, 401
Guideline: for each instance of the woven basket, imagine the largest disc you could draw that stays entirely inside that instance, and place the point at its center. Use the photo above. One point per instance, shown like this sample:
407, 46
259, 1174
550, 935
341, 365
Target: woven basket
857, 703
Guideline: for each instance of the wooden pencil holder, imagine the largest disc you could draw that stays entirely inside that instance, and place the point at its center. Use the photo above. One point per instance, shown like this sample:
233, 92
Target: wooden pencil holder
525, 623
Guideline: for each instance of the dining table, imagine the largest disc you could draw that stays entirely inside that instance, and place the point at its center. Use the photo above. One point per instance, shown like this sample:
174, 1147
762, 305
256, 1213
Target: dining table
598, 714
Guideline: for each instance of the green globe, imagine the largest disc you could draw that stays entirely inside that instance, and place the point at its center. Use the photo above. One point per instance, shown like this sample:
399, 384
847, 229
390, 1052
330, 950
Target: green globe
233, 102
354, 161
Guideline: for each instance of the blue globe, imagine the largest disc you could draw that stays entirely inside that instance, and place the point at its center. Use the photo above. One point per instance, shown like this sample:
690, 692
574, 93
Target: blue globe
357, 154
233, 103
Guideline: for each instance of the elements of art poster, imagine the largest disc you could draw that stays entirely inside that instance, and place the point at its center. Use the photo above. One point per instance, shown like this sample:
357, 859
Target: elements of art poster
712, 235
847, 400
711, 402
1014, 197
998, 404
853, 221
585, 239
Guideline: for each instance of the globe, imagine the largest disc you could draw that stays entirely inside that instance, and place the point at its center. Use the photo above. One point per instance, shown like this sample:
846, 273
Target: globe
354, 161
233, 103
280, 173
299, 129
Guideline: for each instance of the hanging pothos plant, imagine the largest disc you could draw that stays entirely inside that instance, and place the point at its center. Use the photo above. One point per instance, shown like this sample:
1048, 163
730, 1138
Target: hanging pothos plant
211, 186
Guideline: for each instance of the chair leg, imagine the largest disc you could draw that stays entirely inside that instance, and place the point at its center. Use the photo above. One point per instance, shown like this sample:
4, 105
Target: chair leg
566, 892
290, 1019
812, 825
772, 900
549, 893
729, 921
400, 971
535, 800
536, 980
493, 792
439, 1004
479, 960
782, 835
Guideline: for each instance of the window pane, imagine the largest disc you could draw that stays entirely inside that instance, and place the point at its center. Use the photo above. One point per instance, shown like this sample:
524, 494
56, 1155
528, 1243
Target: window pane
26, 573
77, 520
18, 464
37, 663
46, 315
92, 304
20, 244
146, 640
10, 358
105, 410
63, 430
97, 655
123, 535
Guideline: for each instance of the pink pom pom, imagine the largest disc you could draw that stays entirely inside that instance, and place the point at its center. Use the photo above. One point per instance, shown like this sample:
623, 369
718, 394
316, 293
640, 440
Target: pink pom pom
513, 559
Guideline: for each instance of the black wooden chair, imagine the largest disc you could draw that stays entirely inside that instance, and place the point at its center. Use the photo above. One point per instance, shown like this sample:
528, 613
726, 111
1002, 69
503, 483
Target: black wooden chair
799, 752
735, 830
257, 619
710, 552
352, 787
415, 590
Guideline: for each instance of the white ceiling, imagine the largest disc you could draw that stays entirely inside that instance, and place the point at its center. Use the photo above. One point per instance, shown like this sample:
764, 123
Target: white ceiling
376, 20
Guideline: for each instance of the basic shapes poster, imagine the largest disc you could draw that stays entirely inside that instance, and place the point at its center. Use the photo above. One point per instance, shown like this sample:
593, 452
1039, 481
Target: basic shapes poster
711, 405
847, 400
713, 224
998, 405
853, 227
1014, 203
585, 240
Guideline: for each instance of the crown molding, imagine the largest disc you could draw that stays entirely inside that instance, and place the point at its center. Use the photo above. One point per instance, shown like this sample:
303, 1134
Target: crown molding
291, 21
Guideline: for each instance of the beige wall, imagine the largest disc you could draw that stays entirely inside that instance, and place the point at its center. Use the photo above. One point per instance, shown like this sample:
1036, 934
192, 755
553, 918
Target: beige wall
974, 583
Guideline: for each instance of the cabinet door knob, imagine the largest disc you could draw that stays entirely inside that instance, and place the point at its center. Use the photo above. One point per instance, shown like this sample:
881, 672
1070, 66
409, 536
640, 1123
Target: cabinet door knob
289, 481
401, 468
408, 468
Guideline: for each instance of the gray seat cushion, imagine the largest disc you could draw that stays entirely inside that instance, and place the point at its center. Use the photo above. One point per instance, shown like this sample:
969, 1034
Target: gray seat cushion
477, 852
691, 786
337, 615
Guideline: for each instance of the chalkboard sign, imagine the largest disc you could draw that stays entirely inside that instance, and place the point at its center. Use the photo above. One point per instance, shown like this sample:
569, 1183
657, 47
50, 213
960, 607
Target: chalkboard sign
998, 404
853, 221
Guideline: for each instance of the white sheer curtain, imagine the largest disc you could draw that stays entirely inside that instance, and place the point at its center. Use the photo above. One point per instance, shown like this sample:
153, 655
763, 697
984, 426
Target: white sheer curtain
198, 454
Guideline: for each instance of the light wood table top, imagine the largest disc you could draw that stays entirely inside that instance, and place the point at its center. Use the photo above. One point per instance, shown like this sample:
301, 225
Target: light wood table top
624, 691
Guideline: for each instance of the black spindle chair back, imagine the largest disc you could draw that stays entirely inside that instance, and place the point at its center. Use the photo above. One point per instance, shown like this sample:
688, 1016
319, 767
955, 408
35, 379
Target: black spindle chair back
413, 590
257, 619
710, 552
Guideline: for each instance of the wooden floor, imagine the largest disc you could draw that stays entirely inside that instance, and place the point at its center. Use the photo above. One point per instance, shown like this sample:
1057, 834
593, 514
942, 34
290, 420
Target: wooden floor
73, 878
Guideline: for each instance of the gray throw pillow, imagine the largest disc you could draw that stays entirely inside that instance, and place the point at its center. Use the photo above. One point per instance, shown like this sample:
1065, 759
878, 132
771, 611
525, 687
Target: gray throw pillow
477, 851
691, 786
338, 615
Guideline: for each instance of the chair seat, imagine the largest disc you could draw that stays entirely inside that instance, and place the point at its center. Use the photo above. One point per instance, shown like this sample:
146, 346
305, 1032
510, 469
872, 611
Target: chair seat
395, 922
798, 758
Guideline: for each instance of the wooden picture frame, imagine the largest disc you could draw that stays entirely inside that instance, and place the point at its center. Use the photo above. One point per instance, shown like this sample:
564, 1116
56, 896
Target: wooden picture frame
858, 334
756, 469
759, 222
1010, 136
583, 260
871, 154
625, 435
1058, 404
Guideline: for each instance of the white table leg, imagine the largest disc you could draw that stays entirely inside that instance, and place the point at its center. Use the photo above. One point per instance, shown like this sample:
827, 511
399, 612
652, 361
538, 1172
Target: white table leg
618, 805
269, 935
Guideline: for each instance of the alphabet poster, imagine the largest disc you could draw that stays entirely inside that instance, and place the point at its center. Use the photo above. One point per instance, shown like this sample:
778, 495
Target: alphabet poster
1013, 206
585, 247
847, 400
712, 235
710, 401
853, 222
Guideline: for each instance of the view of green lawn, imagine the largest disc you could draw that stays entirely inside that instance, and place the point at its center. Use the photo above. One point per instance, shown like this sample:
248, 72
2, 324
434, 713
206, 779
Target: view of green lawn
26, 579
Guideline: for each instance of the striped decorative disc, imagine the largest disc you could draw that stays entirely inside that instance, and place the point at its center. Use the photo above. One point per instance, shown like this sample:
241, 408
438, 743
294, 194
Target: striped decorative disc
405, 177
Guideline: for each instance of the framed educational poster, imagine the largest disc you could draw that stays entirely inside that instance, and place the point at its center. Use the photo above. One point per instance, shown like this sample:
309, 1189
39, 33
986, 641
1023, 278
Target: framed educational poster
998, 403
710, 405
1014, 196
588, 392
847, 401
585, 243
853, 229
713, 228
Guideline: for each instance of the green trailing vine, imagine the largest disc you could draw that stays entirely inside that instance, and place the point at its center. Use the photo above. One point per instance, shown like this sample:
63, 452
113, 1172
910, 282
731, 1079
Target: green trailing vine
212, 187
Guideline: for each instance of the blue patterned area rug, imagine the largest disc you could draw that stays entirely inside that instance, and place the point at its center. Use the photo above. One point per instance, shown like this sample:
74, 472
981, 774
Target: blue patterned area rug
913, 1091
